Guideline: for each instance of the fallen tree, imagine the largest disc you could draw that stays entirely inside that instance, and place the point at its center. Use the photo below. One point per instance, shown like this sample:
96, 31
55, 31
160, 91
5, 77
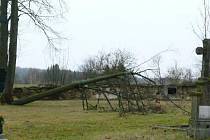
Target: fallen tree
64, 88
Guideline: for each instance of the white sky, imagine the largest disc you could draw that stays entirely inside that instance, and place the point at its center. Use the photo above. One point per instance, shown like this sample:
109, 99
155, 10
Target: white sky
143, 27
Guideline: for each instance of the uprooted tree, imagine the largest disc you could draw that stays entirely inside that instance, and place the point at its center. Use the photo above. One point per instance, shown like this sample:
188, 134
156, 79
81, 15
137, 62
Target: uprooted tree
107, 74
123, 85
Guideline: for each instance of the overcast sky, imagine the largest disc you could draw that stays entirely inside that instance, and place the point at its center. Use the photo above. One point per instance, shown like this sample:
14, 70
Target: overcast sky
143, 27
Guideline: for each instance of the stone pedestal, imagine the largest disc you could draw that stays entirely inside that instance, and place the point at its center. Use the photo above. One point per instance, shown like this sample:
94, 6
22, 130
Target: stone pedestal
200, 119
201, 131
2, 137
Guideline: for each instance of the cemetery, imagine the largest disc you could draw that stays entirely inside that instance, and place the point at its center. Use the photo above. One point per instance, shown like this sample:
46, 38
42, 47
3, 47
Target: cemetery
121, 94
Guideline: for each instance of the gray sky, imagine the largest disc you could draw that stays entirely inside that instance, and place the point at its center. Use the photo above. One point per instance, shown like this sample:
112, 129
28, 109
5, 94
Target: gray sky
143, 27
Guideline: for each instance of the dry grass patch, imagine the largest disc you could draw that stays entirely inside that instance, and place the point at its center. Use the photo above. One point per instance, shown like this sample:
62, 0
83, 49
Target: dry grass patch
65, 120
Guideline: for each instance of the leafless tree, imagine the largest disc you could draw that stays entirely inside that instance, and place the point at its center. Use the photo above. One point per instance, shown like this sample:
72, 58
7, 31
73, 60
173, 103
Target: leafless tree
188, 75
175, 74
39, 11
178, 74
202, 31
7, 96
157, 71
115, 61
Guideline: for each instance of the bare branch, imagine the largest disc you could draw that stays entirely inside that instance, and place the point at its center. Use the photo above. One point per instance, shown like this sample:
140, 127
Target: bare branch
40, 12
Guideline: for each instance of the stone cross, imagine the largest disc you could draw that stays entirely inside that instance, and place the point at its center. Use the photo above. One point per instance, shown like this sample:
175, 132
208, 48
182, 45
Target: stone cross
205, 73
200, 116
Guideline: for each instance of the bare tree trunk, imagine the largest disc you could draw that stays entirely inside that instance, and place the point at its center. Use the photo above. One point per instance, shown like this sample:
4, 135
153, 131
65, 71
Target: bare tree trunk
3, 34
3, 42
12, 53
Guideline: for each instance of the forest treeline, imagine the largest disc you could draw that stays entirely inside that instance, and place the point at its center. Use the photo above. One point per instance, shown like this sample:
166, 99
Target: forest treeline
53, 75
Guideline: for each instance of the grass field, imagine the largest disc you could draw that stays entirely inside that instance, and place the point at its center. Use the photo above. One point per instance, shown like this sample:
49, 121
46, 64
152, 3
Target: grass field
65, 120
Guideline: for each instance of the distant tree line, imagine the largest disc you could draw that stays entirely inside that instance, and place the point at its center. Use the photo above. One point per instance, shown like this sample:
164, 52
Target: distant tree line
53, 75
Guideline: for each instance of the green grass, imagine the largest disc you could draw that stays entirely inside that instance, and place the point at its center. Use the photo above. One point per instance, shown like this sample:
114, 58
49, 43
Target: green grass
65, 120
